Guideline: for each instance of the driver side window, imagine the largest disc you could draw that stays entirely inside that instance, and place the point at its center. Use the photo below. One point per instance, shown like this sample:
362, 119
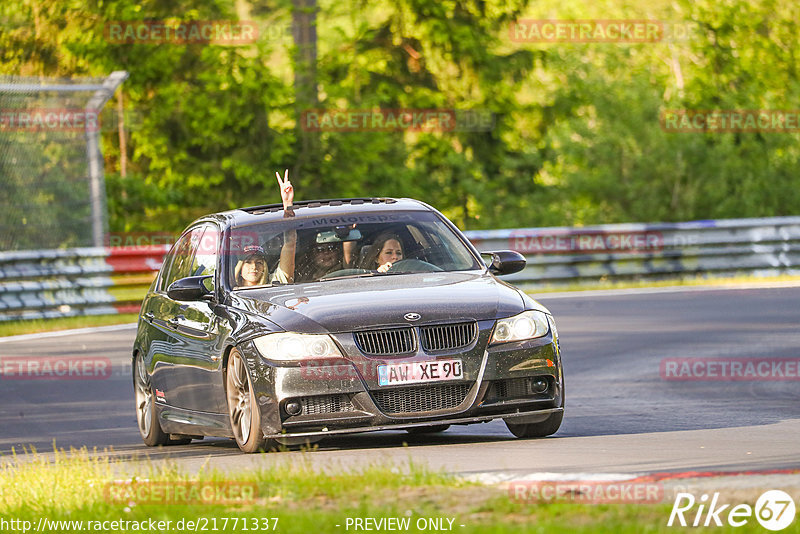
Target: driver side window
182, 257
205, 258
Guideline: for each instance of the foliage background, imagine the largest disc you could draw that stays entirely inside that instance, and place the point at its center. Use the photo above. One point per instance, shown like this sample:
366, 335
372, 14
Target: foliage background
576, 139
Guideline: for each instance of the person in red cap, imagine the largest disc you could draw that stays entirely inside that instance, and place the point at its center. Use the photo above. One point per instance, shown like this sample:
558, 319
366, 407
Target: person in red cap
251, 270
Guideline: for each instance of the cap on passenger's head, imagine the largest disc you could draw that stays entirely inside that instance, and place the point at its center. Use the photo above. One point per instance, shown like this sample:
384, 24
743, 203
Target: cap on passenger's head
253, 251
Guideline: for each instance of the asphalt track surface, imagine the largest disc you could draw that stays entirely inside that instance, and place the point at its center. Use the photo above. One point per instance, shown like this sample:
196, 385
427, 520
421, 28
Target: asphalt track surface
621, 415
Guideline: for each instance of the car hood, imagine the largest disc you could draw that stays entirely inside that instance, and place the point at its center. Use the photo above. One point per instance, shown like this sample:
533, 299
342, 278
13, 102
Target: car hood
359, 303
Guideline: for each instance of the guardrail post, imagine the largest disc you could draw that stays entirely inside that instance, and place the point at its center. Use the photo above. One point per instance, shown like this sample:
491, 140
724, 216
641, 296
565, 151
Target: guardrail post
95, 157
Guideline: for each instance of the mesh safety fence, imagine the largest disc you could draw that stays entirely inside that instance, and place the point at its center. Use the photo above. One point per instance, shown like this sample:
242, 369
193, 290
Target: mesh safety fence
49, 158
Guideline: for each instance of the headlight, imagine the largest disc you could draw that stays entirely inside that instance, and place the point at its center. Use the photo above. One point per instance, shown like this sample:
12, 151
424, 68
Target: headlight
526, 325
291, 347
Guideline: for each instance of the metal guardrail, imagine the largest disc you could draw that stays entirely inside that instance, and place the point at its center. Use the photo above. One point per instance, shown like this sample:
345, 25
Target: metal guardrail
617, 252
43, 284
103, 280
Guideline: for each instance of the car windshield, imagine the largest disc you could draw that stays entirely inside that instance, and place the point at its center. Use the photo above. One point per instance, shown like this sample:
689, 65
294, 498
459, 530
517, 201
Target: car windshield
307, 249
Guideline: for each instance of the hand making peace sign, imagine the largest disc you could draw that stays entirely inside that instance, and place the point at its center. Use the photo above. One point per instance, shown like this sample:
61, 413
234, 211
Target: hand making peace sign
287, 191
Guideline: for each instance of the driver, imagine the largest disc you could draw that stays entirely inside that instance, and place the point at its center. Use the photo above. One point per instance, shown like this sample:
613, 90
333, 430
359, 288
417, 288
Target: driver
326, 255
325, 258
384, 252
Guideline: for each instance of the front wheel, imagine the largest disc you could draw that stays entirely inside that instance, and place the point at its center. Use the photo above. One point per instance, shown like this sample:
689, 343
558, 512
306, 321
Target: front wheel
245, 417
540, 429
536, 430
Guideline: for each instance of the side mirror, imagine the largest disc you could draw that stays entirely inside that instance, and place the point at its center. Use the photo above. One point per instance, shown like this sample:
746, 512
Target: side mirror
506, 262
189, 288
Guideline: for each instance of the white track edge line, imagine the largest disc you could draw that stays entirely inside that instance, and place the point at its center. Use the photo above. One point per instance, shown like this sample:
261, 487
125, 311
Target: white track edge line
74, 331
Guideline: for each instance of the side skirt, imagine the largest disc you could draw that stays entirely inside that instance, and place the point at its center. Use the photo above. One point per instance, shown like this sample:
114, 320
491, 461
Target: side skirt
182, 421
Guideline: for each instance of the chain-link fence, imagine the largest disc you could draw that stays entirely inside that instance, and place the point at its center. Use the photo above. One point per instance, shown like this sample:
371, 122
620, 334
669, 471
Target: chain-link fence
52, 191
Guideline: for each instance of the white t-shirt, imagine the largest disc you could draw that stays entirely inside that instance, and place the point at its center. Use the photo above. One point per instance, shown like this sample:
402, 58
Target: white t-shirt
280, 276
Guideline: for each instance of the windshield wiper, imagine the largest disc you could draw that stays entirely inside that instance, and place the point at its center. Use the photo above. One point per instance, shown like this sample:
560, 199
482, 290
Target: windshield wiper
346, 276
276, 283
372, 273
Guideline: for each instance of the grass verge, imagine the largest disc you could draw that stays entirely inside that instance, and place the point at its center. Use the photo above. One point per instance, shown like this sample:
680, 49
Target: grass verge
80, 488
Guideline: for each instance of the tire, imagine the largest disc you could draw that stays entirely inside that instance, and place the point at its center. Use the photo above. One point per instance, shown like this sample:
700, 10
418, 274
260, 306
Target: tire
149, 428
245, 417
544, 428
537, 430
421, 430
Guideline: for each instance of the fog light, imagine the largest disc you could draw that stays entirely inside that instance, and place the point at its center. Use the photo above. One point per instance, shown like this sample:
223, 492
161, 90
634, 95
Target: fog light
539, 386
293, 408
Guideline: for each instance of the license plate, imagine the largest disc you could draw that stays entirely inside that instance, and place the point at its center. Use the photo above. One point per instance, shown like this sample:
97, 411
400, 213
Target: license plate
415, 372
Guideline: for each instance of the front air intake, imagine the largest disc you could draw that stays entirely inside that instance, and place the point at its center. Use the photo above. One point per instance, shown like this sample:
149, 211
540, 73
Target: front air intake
420, 399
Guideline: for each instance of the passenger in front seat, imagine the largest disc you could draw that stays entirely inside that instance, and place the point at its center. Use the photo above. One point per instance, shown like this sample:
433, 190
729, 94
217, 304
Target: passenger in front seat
384, 252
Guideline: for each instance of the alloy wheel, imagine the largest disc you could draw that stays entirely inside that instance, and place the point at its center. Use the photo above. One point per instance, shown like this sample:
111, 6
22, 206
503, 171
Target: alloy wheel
238, 391
144, 398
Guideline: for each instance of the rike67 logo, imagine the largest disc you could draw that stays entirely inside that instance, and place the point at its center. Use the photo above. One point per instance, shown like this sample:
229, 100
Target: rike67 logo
774, 510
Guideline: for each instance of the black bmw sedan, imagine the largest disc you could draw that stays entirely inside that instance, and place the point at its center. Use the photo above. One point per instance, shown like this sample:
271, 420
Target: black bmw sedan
273, 325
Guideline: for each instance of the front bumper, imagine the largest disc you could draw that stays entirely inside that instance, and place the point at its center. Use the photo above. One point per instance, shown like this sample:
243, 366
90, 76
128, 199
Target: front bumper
448, 421
342, 396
